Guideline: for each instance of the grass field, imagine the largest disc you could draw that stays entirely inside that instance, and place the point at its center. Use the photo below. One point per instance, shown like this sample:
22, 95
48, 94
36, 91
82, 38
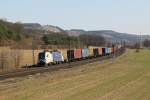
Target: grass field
124, 78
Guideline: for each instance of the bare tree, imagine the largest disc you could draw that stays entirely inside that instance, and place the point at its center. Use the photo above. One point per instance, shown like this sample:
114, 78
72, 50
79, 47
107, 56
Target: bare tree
146, 43
3, 59
16, 58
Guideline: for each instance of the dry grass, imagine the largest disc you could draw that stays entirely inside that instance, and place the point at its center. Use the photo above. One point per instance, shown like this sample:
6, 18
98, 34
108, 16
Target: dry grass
125, 78
25, 56
13, 56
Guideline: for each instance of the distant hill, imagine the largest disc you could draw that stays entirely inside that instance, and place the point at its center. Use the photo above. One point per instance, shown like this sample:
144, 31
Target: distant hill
32, 26
76, 32
47, 28
51, 28
110, 35
113, 36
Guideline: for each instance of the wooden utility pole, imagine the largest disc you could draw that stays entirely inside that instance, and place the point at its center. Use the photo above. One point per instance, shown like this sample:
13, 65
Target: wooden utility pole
33, 55
69, 50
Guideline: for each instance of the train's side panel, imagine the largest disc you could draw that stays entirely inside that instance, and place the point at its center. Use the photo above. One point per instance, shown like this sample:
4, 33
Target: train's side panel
100, 51
109, 50
91, 52
77, 54
85, 52
64, 53
70, 55
95, 52
103, 51
106, 51
57, 56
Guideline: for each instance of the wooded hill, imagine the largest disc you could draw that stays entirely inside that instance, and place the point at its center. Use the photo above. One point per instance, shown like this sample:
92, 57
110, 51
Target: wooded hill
10, 32
19, 36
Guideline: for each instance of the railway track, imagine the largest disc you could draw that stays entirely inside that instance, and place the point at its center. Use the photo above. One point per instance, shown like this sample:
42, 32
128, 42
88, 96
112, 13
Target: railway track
31, 71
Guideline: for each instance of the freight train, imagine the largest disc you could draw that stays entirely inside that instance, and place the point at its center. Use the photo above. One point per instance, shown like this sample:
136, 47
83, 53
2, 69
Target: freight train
56, 57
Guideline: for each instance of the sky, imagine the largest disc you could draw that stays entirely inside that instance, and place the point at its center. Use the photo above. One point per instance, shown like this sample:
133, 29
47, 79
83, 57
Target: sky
129, 16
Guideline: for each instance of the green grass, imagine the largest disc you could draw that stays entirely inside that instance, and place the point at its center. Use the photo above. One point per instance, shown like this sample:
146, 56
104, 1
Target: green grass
127, 78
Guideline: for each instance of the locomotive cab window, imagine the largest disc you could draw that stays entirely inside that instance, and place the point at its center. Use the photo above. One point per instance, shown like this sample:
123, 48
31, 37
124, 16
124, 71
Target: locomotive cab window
47, 56
41, 55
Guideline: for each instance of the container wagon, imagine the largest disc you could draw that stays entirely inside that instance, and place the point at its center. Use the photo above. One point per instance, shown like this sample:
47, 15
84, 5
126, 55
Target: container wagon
97, 52
77, 54
74, 54
112, 51
107, 51
64, 54
104, 51
91, 52
70, 55
85, 53
100, 51
57, 57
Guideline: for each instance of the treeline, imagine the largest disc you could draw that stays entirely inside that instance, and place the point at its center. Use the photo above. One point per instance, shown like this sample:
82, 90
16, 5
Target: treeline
94, 40
14, 34
58, 39
76, 41
145, 43
10, 32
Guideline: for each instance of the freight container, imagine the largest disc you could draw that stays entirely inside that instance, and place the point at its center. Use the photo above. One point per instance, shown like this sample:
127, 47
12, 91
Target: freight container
91, 53
70, 55
85, 53
110, 50
45, 58
107, 51
74, 54
77, 54
104, 51
64, 53
100, 51
57, 57
95, 52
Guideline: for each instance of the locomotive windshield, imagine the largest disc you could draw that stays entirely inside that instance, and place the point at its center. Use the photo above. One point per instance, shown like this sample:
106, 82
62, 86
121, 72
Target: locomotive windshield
41, 55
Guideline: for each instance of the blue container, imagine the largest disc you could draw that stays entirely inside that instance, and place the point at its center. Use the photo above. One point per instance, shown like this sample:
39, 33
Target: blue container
105, 51
85, 53
57, 56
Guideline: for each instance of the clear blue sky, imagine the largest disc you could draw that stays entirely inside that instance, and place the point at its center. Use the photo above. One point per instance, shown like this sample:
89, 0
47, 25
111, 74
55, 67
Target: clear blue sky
132, 16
